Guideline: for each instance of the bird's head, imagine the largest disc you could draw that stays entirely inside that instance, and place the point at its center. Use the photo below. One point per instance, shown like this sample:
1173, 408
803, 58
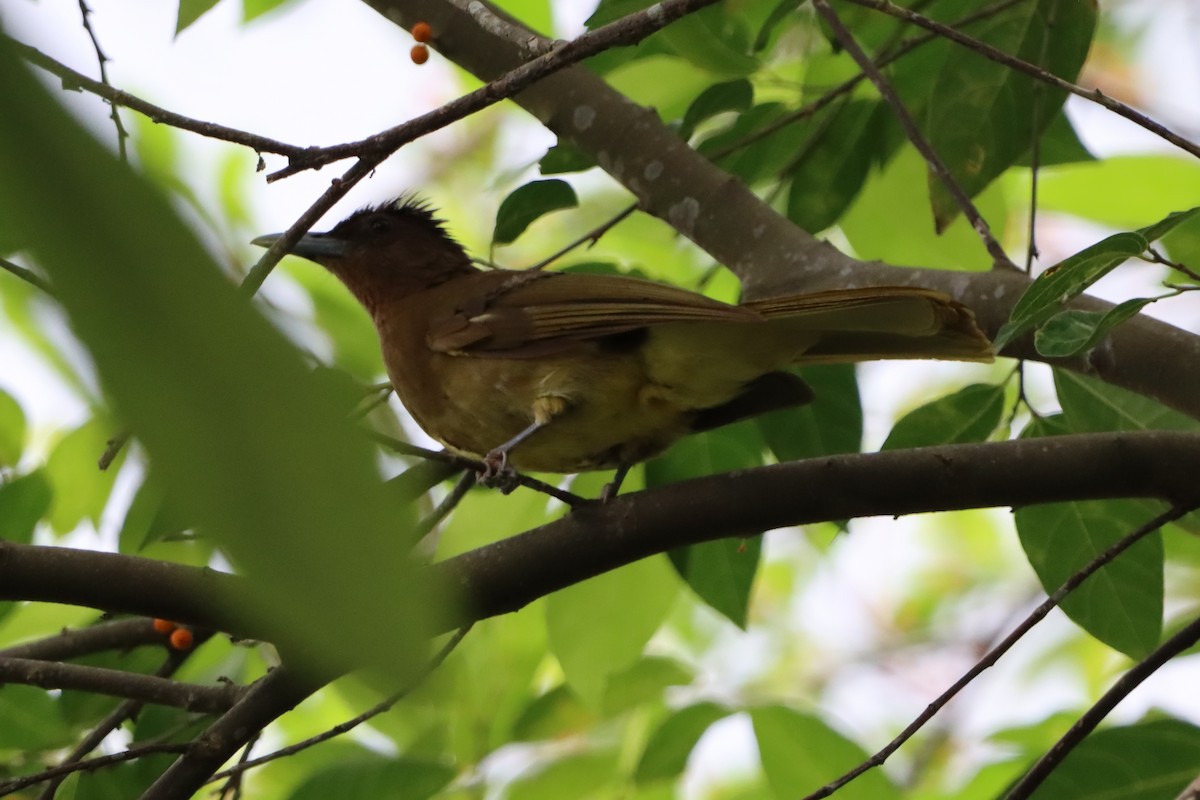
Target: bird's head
385, 251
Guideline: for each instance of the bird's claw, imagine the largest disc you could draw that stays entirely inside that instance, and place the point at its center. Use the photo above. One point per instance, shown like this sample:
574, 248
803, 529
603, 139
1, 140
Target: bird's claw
496, 473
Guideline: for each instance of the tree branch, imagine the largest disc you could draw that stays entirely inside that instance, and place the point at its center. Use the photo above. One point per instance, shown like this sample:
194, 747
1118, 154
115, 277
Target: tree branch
277, 693
508, 574
116, 683
121, 634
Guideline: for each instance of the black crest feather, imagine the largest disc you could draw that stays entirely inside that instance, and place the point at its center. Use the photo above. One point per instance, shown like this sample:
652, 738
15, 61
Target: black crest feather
410, 206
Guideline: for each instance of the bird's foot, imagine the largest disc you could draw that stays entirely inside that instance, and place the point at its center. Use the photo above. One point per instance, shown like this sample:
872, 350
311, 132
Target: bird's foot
496, 473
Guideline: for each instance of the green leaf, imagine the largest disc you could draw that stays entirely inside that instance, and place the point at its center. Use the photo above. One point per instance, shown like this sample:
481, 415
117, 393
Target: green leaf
599, 627
667, 751
767, 154
980, 118
32, 719
1066, 280
12, 430
190, 11
370, 777
1145, 761
833, 168
1183, 243
565, 157
552, 715
1087, 190
150, 518
830, 425
800, 753
581, 775
1169, 223
969, 415
1092, 406
259, 453
1072, 332
736, 95
720, 572
662, 81
253, 9
81, 488
644, 681
24, 500
1122, 604
1059, 145
527, 203
712, 39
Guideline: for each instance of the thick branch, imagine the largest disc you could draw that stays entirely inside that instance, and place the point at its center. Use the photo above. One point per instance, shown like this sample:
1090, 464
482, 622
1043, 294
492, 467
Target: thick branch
508, 574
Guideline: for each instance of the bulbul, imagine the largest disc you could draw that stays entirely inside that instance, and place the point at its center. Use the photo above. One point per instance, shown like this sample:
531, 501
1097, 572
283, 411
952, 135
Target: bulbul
564, 372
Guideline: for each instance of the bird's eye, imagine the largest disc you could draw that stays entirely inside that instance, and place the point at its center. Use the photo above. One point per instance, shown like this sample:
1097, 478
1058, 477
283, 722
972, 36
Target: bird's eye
379, 225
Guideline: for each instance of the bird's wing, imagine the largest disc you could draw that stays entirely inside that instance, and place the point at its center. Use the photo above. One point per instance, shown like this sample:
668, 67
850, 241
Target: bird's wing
527, 314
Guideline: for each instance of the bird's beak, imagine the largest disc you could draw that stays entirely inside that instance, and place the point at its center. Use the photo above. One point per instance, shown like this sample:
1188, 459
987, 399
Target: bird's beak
313, 246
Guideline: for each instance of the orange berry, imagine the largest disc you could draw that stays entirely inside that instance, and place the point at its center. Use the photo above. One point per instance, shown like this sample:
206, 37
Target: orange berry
419, 54
181, 639
422, 32
164, 625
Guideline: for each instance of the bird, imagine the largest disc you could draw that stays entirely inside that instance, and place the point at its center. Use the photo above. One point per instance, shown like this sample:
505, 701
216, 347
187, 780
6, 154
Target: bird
547, 371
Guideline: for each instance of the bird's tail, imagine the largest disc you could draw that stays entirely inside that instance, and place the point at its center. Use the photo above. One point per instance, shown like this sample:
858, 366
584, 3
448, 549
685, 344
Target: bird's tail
878, 322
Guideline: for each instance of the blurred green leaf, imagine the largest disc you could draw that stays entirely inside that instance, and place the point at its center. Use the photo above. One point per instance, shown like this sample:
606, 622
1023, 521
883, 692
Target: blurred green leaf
257, 452
831, 424
527, 203
24, 500
664, 82
81, 488
581, 775
12, 430
982, 115
1122, 604
671, 743
735, 95
370, 777
32, 719
253, 9
554, 714
969, 415
190, 11
150, 518
643, 682
599, 627
1146, 761
800, 753
889, 220
1066, 280
1087, 189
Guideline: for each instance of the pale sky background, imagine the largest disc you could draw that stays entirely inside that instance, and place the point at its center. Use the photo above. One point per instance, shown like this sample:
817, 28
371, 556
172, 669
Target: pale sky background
326, 71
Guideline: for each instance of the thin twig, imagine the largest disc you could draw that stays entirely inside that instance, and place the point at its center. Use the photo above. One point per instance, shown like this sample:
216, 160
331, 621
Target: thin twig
592, 236
993, 655
113, 448
351, 724
27, 275
936, 165
133, 753
404, 448
443, 509
1087, 723
122, 135
75, 80
68, 643
627, 30
1034, 71
127, 710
